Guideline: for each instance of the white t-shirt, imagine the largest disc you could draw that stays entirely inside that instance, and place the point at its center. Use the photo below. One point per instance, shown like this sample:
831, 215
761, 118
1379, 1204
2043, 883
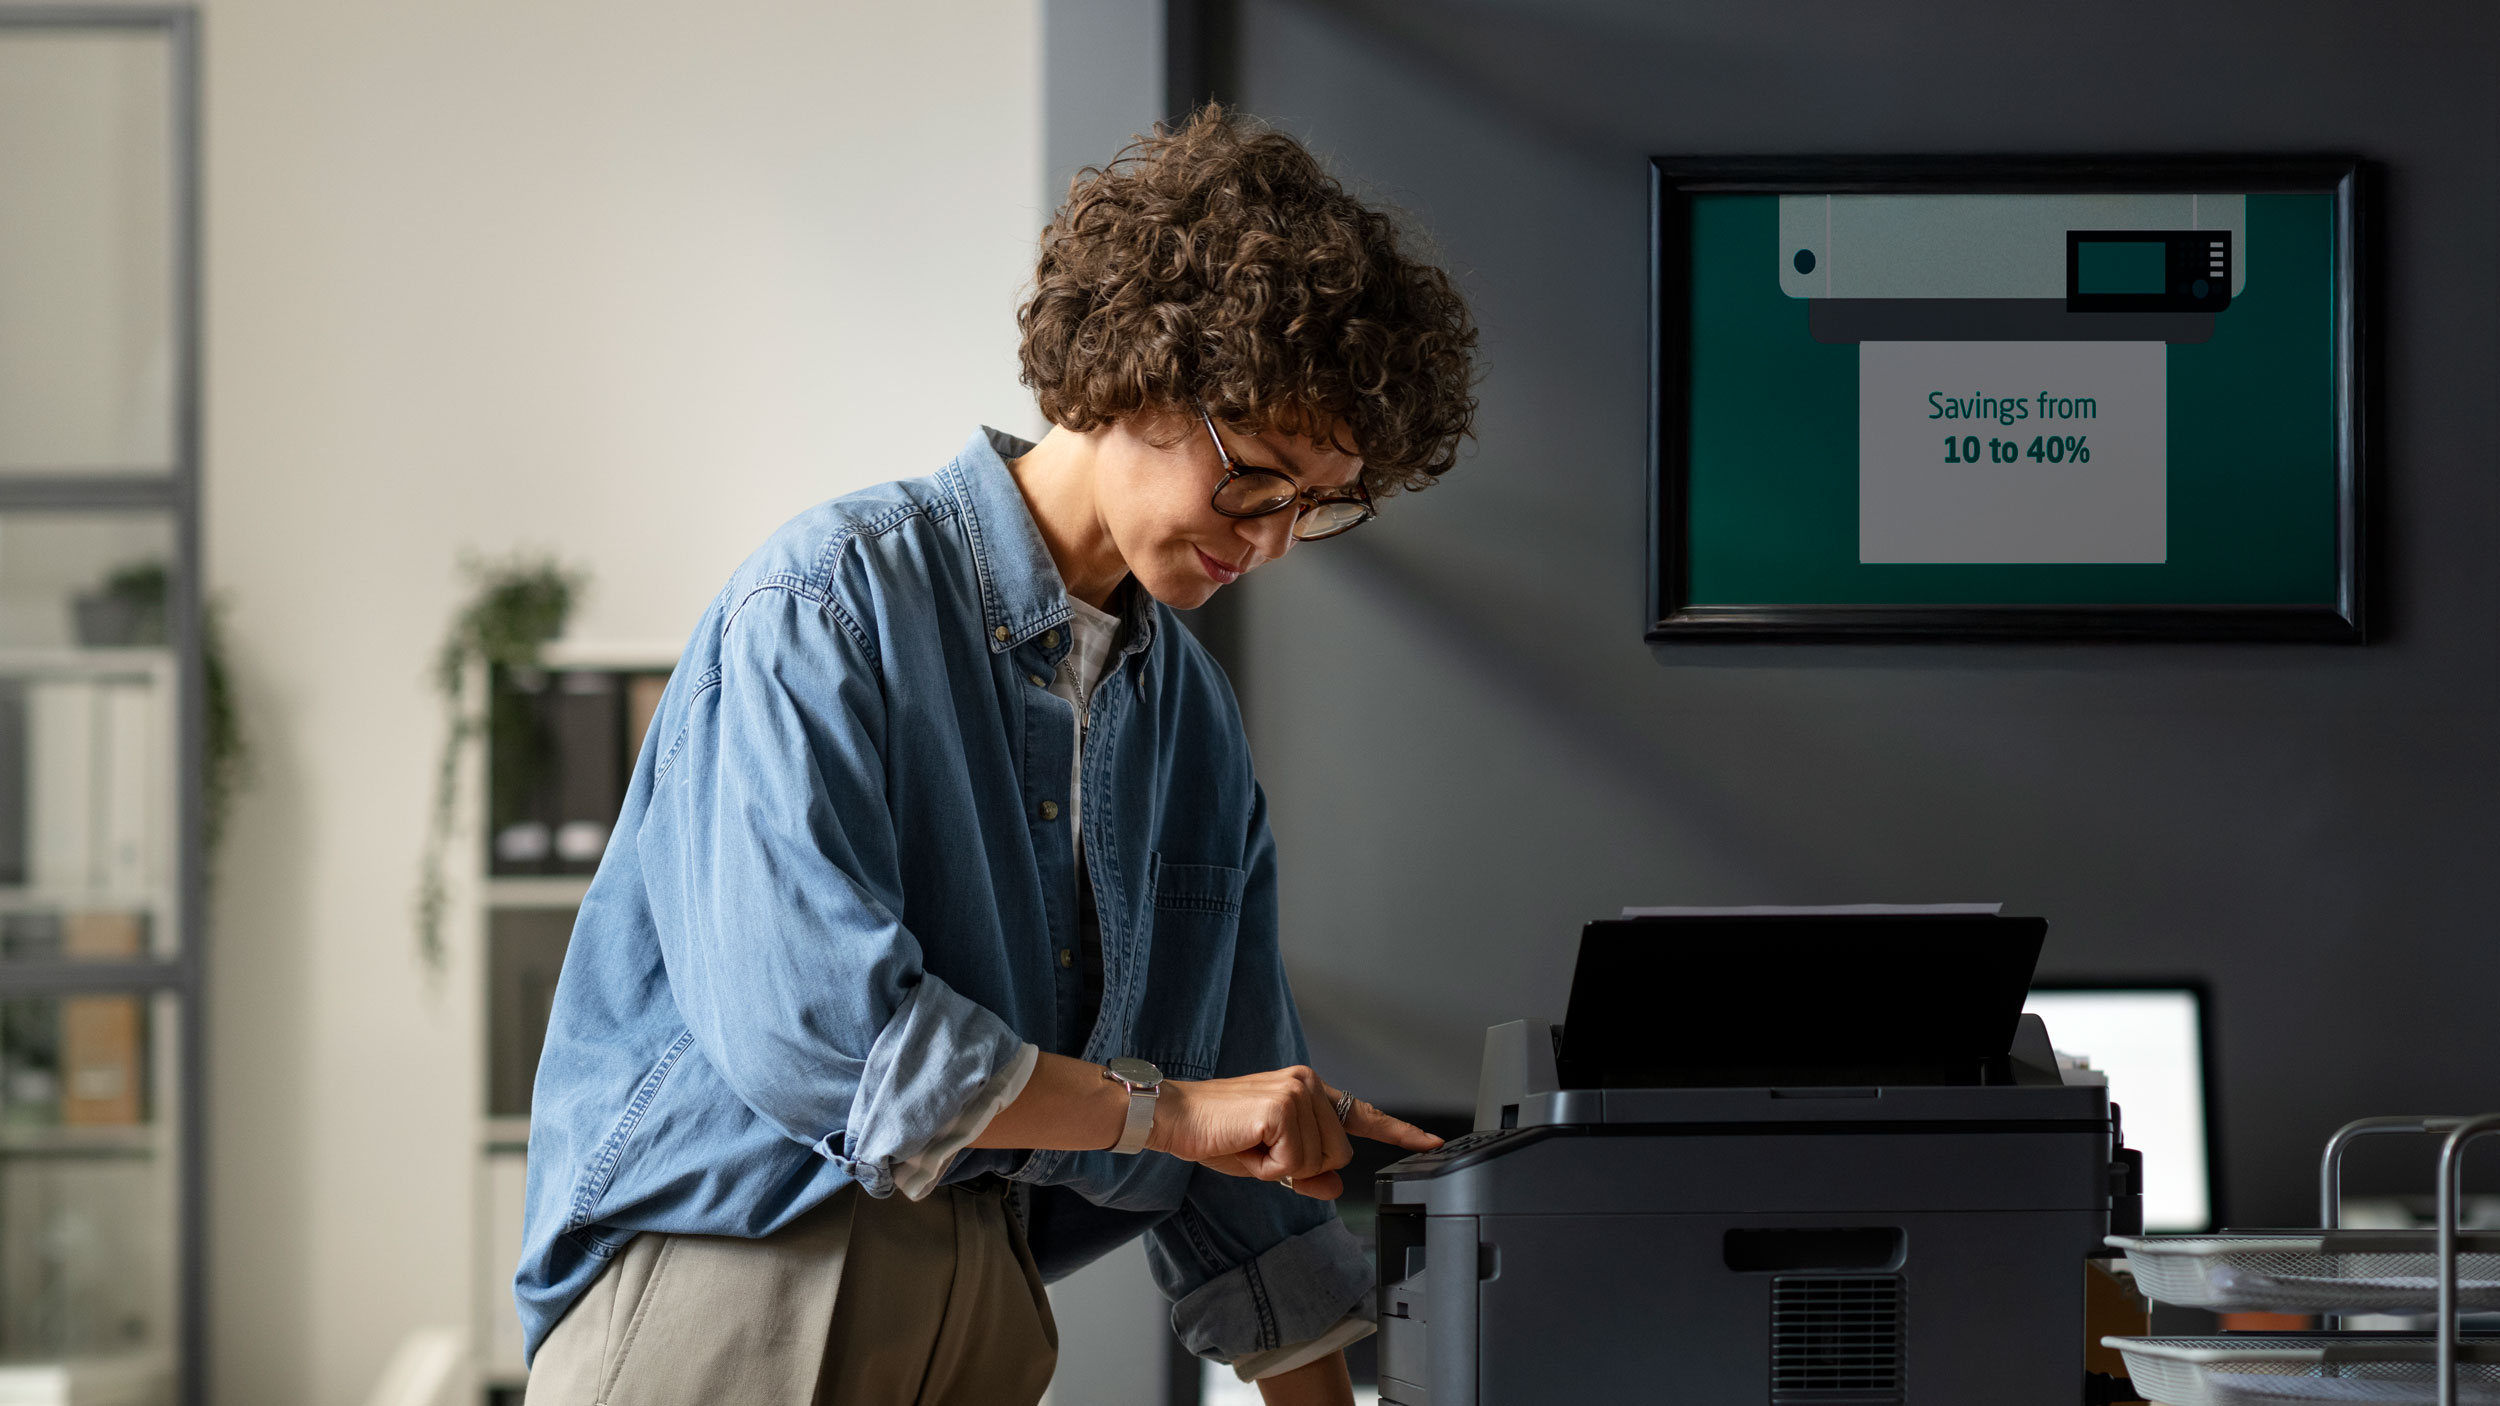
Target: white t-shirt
1091, 635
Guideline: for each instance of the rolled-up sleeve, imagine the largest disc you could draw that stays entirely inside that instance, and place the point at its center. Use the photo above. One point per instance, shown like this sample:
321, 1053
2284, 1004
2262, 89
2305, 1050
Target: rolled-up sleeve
1301, 1290
1251, 1267
769, 856
920, 1173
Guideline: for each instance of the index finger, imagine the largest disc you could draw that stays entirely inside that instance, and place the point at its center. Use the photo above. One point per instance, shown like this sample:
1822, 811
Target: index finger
1363, 1120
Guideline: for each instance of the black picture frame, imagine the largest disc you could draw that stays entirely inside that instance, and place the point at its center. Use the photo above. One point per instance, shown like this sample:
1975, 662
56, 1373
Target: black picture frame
1675, 618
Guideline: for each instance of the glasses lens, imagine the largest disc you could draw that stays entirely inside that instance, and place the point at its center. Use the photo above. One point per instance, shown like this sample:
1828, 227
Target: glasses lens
1254, 491
1328, 519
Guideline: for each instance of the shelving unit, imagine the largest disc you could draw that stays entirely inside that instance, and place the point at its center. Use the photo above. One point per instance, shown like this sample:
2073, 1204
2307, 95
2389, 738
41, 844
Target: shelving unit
520, 922
2332, 1271
102, 719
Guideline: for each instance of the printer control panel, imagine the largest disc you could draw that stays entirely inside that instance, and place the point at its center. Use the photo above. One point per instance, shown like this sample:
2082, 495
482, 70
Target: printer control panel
1464, 1150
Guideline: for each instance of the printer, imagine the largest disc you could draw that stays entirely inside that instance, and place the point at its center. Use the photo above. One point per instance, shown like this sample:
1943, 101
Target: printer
1787, 1159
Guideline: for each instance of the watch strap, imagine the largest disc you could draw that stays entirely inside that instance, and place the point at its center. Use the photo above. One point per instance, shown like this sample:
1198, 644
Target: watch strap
1141, 1121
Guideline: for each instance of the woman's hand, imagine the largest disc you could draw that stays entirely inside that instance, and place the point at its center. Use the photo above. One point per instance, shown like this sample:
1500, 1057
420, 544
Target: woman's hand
1279, 1126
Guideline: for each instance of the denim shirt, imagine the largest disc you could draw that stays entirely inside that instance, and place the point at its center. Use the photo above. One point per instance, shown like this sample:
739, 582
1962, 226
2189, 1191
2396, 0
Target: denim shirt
838, 898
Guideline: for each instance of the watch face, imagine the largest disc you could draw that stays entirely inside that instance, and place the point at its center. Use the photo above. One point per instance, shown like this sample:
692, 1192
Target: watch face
1135, 1071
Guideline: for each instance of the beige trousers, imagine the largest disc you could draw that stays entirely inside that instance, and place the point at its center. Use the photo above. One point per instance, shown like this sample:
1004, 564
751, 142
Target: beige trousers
861, 1302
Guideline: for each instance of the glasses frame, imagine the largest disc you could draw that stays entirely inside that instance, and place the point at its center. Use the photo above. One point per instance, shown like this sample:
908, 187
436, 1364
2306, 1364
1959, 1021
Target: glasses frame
1303, 499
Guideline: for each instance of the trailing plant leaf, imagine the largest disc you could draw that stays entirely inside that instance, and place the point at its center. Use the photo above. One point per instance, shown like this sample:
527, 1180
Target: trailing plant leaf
143, 581
143, 588
521, 602
229, 751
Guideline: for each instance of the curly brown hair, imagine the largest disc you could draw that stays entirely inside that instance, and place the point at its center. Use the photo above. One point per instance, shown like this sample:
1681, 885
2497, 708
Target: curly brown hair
1219, 263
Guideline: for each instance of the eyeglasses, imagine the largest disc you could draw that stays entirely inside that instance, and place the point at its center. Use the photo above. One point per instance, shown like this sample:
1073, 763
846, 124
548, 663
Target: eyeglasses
1247, 490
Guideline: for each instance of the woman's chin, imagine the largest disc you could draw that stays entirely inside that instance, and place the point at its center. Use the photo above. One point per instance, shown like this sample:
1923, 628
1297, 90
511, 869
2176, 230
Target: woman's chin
1181, 592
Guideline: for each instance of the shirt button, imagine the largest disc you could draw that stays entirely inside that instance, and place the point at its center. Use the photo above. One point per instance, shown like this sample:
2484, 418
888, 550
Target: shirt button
1037, 680
1067, 959
1050, 810
1050, 639
1000, 633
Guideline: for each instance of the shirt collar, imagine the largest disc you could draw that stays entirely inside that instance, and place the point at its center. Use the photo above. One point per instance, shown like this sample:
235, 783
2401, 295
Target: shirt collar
1021, 593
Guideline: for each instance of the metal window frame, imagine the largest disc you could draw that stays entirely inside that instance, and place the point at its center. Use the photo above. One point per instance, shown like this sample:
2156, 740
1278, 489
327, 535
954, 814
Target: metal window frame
175, 492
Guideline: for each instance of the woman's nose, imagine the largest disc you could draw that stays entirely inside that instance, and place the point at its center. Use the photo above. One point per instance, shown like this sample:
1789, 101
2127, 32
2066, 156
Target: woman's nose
1272, 535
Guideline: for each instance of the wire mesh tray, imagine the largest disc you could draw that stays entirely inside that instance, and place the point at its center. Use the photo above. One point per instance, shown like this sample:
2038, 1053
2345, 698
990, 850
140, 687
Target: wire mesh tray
2280, 1369
2312, 1271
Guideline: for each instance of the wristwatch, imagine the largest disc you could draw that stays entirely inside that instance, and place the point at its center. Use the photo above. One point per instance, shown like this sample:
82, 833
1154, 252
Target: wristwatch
1143, 1082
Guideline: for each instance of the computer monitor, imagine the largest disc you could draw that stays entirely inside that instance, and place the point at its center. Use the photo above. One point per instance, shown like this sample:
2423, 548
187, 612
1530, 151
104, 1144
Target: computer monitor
2150, 1040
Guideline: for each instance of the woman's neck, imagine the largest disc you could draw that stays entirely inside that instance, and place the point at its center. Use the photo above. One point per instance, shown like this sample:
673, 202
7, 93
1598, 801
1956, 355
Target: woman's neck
1058, 481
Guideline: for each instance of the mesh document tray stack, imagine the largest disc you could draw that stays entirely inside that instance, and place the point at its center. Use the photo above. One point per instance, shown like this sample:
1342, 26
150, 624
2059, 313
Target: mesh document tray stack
2329, 1271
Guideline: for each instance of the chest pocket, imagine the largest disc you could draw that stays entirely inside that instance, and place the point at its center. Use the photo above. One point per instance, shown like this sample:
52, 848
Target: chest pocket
1189, 965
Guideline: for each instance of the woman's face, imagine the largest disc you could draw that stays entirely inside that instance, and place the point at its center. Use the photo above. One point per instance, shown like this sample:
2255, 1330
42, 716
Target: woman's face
1155, 484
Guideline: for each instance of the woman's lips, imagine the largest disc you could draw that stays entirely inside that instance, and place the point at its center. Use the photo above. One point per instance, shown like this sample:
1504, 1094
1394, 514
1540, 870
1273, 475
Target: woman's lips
1222, 574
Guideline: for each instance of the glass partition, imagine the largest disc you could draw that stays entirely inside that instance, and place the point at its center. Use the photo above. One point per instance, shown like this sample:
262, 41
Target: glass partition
88, 1196
88, 786
84, 580
102, 707
89, 339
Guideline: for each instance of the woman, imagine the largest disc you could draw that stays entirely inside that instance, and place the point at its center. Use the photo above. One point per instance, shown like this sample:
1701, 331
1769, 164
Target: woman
936, 952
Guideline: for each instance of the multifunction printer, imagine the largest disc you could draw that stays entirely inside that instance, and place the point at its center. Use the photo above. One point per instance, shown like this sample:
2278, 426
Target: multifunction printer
1790, 1159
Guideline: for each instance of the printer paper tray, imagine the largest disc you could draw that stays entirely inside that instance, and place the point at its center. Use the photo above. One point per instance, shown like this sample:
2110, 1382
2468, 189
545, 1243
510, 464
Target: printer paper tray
2311, 1271
2262, 1369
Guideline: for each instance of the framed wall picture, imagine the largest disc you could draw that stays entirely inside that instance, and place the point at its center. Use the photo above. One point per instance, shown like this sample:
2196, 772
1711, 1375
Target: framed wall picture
2002, 398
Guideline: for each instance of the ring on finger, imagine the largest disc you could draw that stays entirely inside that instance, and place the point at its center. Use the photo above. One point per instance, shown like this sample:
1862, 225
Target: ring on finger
1345, 1106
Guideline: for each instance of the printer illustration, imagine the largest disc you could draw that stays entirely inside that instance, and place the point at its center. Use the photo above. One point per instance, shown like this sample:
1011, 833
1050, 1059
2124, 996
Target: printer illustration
2013, 268
1781, 1159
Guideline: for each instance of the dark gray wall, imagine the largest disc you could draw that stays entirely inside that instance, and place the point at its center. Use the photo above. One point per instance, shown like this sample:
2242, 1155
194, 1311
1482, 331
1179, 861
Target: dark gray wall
1102, 83
1470, 750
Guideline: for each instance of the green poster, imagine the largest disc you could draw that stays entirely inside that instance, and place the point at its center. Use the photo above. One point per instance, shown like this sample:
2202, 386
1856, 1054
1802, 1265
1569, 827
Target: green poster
2091, 402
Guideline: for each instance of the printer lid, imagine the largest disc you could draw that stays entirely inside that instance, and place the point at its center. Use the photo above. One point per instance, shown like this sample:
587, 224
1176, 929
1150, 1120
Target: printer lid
1756, 1000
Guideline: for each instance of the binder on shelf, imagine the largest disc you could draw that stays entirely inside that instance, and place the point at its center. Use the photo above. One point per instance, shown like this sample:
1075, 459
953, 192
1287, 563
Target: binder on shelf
524, 955
557, 761
30, 1061
520, 760
588, 710
97, 804
130, 736
104, 935
13, 782
30, 935
61, 726
642, 703
103, 1038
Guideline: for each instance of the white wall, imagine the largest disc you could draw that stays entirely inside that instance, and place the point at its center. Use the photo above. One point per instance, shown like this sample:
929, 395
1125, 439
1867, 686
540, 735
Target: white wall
631, 282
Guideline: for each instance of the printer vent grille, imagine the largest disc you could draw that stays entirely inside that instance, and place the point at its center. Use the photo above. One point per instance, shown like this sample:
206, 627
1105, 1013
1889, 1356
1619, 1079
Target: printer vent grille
1835, 1339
